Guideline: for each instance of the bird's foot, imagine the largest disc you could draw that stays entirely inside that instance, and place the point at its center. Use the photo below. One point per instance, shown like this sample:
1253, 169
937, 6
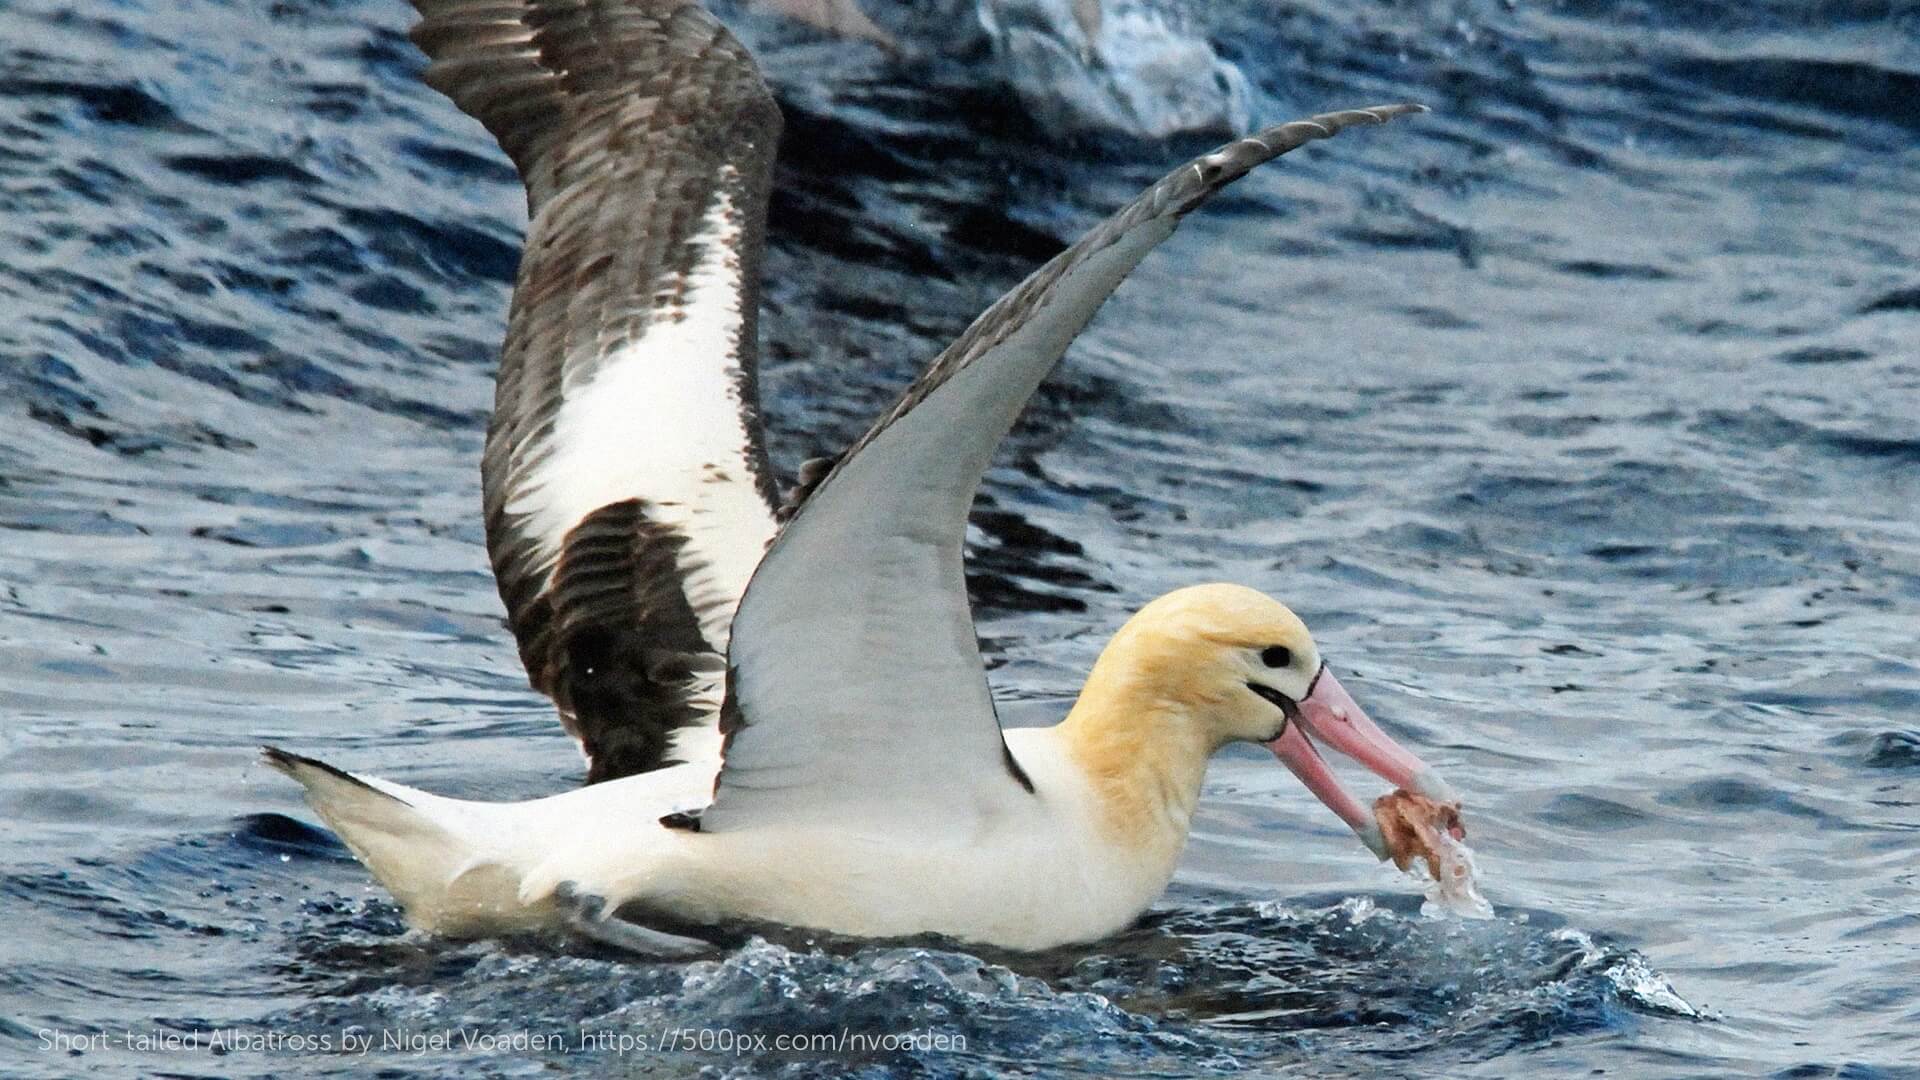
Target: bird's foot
586, 914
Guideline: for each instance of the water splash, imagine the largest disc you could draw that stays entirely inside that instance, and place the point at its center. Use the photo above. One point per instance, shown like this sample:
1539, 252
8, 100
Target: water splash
1637, 983
1456, 891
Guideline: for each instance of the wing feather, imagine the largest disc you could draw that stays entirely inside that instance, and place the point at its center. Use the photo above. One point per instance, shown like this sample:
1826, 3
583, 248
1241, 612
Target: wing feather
856, 686
627, 493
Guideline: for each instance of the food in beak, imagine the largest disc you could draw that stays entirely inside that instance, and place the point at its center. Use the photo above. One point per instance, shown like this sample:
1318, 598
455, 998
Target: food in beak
1412, 826
1330, 715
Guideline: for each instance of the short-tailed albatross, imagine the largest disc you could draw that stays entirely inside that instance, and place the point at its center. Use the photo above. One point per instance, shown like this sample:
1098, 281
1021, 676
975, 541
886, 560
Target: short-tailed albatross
782, 702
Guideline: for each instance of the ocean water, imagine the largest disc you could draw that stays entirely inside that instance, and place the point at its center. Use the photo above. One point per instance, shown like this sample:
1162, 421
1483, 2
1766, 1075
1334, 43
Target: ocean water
1580, 418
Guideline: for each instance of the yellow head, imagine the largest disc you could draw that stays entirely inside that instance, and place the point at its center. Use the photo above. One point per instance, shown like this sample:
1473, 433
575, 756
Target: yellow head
1213, 664
1214, 657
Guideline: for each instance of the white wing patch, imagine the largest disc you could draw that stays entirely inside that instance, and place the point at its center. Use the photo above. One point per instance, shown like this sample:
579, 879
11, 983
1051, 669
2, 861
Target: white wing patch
660, 417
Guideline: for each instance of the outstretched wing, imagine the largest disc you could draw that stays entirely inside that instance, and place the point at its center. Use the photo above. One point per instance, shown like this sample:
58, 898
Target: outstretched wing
856, 686
628, 497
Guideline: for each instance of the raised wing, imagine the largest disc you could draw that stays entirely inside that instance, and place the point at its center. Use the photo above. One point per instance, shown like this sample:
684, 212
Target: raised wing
628, 497
856, 686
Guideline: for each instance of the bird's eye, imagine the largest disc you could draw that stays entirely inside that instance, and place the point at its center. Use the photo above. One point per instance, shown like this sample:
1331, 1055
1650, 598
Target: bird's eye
1276, 656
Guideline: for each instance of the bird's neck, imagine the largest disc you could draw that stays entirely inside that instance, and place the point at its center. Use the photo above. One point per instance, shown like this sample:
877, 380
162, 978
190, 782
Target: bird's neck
1143, 754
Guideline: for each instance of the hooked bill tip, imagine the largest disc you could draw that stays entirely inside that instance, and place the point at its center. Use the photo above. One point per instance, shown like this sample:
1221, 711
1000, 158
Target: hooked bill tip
1429, 784
1375, 840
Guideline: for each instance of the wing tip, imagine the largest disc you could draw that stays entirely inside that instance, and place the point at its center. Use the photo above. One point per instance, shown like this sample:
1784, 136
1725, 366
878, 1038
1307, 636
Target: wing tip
1177, 194
1327, 124
1211, 172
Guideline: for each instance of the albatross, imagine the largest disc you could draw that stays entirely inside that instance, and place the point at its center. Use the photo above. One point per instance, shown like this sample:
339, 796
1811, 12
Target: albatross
781, 701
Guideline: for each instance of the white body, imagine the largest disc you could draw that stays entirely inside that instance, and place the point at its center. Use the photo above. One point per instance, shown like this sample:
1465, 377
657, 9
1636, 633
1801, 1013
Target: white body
1035, 871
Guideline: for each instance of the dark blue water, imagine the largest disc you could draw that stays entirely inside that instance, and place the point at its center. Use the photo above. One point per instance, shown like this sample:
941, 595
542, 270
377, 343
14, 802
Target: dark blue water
1581, 419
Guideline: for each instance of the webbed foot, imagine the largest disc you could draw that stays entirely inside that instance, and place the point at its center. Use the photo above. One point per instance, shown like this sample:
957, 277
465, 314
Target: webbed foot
587, 915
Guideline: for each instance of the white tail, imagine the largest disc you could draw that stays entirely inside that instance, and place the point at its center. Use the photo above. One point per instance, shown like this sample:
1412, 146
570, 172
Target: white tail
449, 862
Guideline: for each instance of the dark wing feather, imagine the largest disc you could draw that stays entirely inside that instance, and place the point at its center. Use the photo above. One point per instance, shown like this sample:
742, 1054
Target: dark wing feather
627, 493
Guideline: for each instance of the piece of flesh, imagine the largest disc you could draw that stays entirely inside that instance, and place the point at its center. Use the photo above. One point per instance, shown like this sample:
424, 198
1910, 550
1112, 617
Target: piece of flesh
1412, 826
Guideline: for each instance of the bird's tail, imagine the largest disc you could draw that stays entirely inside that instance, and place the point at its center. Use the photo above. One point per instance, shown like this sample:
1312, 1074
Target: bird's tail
444, 860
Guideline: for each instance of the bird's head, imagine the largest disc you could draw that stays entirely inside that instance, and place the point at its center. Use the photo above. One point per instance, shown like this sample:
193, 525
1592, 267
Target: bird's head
1234, 665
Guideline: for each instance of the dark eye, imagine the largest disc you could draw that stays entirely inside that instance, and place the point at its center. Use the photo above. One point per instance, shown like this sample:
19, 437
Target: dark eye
1276, 656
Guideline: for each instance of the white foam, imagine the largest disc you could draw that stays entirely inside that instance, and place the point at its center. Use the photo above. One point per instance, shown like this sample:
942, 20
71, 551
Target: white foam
1124, 65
